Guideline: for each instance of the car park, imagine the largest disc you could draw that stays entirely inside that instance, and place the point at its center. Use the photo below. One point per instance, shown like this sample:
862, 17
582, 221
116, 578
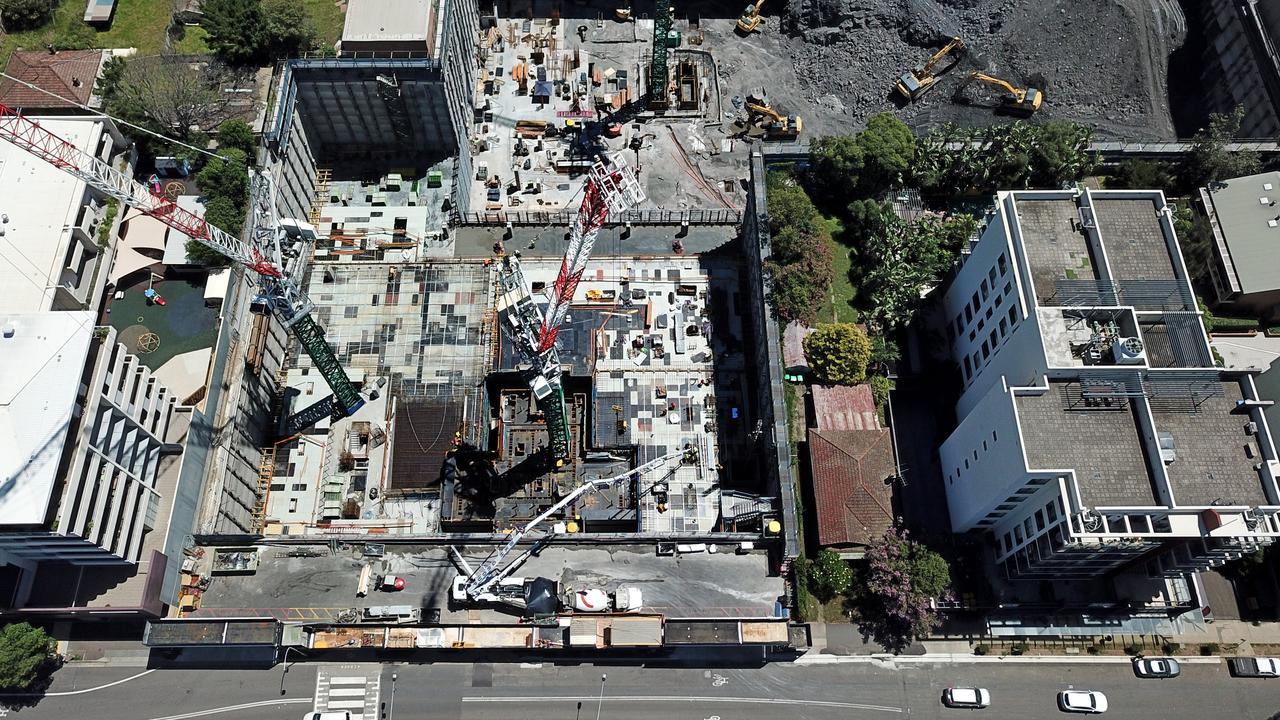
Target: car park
966, 697
1082, 701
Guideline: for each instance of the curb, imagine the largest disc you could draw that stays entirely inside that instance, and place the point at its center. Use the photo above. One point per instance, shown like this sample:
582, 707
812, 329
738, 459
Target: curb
969, 658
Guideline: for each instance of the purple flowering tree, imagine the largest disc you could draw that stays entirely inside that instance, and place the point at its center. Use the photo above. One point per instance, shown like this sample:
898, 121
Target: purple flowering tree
900, 579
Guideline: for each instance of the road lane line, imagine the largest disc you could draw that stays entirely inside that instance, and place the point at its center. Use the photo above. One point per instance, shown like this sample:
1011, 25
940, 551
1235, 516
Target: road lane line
233, 708
688, 698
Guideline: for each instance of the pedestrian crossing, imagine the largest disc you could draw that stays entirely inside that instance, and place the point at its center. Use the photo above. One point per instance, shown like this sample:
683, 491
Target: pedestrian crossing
354, 688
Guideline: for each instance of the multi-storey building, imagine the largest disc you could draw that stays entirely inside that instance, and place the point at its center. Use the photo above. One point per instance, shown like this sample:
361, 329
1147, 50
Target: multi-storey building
54, 249
1241, 65
1094, 429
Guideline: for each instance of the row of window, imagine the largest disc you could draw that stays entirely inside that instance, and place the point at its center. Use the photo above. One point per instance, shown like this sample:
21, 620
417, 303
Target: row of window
1013, 501
985, 288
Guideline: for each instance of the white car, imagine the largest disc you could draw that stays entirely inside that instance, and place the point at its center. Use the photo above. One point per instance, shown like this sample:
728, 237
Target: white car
966, 697
1082, 701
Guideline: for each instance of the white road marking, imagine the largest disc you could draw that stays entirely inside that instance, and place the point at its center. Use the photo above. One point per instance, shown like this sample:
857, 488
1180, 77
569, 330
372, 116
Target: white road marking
233, 708
81, 692
686, 698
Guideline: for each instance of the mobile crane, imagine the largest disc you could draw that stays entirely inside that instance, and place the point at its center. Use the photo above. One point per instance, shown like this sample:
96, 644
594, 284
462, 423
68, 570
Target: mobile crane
273, 252
1022, 101
914, 83
611, 187
486, 583
750, 19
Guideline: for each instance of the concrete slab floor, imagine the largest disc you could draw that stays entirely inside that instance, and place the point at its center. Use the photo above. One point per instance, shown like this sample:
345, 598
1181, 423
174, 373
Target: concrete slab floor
696, 585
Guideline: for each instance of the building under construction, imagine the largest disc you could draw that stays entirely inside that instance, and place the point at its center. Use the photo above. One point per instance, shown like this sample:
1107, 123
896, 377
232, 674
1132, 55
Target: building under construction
421, 183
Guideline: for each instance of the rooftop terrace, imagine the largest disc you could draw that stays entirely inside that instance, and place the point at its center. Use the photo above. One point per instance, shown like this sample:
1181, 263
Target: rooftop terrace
1100, 441
1214, 452
1055, 249
1134, 240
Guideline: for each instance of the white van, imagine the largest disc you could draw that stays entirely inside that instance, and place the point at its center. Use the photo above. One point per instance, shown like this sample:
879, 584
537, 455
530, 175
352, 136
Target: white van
331, 715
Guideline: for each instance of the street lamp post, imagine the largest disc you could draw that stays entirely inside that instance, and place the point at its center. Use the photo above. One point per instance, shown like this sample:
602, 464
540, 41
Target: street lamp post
285, 671
391, 711
600, 705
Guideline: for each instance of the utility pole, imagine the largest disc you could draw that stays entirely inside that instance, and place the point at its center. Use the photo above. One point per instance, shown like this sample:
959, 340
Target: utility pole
391, 712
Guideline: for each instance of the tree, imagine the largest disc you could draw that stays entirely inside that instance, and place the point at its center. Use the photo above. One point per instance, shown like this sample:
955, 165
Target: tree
836, 164
223, 214
888, 147
17, 15
237, 29
169, 94
954, 159
1209, 160
801, 262
236, 133
227, 179
24, 650
1137, 174
900, 579
838, 353
828, 575
289, 28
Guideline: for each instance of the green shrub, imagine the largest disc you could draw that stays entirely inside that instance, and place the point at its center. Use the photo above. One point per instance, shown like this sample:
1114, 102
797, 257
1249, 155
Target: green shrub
1132, 649
1234, 324
1092, 650
1209, 649
1171, 648
981, 649
1018, 648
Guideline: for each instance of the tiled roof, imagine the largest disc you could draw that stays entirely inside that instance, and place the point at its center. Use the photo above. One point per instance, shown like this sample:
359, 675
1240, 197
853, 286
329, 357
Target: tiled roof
68, 74
849, 467
845, 407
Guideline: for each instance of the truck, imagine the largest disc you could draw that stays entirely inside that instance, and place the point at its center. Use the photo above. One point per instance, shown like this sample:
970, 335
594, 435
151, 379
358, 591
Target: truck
1263, 667
594, 600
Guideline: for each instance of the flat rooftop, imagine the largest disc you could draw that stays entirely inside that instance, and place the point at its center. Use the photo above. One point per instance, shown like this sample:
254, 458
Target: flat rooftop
40, 370
317, 588
1133, 239
1055, 249
1215, 452
41, 202
392, 21
1062, 430
1249, 218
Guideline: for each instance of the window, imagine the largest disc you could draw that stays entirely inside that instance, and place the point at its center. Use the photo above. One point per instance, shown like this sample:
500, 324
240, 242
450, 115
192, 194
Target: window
986, 352
966, 463
985, 289
999, 301
994, 339
299, 487
967, 365
1039, 520
293, 504
968, 314
1051, 511
993, 436
1013, 316
277, 487
991, 275
1004, 265
972, 334
984, 446
1004, 326
1008, 288
975, 455
981, 323
989, 311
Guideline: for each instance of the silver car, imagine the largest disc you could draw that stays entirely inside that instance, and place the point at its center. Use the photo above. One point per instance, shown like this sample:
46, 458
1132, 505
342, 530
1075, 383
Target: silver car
1156, 667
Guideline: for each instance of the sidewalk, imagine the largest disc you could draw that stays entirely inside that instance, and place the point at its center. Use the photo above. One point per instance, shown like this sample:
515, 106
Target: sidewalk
841, 640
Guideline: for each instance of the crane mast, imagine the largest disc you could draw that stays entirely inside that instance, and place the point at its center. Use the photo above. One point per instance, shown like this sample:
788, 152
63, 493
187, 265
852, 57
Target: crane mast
266, 256
611, 187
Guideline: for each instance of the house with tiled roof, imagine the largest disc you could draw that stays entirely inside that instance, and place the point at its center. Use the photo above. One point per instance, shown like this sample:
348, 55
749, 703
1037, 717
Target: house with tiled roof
65, 80
853, 473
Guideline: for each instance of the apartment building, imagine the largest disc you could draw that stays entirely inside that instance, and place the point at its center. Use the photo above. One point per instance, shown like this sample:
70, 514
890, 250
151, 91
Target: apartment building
1094, 429
54, 252
1241, 65
85, 432
1246, 225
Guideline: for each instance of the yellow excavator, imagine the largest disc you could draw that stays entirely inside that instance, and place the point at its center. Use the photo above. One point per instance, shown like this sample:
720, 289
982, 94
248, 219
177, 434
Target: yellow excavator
918, 81
750, 20
1023, 101
774, 124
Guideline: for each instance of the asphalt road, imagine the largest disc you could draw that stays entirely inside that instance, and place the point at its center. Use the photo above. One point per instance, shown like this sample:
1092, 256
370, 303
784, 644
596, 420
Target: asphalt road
533, 691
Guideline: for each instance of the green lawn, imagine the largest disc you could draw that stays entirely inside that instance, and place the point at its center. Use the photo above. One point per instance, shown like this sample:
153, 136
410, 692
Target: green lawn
143, 24
138, 24
838, 305
327, 16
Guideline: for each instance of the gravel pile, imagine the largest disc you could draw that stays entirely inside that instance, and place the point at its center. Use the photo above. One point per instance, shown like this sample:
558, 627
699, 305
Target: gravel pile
1100, 62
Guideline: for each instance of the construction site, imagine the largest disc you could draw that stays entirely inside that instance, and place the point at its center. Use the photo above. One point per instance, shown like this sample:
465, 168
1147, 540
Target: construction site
523, 329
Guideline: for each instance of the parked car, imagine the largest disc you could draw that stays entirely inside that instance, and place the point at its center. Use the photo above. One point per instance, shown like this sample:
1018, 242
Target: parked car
331, 715
1264, 667
1156, 667
1082, 701
966, 697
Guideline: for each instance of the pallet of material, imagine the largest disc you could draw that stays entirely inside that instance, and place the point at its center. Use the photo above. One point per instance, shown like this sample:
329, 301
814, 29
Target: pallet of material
768, 632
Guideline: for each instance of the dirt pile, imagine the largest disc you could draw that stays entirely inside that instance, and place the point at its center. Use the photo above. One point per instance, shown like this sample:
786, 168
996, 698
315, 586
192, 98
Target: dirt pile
1100, 62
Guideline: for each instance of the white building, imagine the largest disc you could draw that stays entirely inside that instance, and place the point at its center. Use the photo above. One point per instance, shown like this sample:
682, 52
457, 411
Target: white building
83, 429
1094, 429
51, 254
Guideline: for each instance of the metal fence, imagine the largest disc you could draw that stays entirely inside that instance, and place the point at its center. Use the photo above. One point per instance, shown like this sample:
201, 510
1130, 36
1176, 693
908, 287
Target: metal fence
637, 217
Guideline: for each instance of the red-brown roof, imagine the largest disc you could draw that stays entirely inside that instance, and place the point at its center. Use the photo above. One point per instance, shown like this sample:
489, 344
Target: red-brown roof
844, 407
849, 467
68, 74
